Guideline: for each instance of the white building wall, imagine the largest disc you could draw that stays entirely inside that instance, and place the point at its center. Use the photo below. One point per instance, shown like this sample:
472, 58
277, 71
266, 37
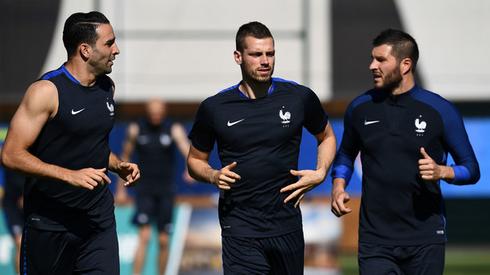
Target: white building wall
181, 50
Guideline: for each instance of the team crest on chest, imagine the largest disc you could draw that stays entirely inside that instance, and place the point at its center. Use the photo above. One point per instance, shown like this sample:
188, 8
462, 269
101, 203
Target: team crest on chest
420, 126
165, 140
110, 107
285, 117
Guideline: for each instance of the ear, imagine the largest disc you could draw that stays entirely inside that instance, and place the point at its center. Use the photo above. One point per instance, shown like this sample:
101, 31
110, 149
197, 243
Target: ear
406, 65
238, 57
85, 50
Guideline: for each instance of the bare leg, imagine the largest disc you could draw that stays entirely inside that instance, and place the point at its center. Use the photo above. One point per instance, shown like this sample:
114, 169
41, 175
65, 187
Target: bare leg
17, 241
144, 236
162, 252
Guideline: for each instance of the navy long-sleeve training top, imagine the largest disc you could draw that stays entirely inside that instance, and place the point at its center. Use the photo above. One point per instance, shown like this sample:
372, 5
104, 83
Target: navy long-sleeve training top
398, 207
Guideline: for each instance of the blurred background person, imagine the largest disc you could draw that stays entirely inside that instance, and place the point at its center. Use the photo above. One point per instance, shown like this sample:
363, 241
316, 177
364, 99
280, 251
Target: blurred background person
154, 139
12, 203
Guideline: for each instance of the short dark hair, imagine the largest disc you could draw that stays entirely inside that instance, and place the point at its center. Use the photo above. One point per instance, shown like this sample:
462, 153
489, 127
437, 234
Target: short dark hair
81, 28
254, 29
403, 44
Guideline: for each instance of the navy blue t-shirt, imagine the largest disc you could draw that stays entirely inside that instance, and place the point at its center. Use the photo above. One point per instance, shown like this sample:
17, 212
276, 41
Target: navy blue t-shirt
397, 206
155, 149
263, 136
76, 137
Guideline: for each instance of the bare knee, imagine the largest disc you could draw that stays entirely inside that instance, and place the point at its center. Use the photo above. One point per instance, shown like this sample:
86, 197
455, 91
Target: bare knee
145, 234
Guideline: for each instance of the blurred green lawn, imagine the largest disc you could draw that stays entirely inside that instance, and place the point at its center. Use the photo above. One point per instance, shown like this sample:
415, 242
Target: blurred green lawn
459, 261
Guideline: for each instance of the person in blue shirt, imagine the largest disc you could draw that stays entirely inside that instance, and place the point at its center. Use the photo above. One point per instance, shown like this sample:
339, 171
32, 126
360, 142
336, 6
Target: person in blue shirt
404, 134
257, 125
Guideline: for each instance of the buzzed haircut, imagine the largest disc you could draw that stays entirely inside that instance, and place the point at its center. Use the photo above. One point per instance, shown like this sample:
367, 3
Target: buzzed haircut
254, 29
403, 45
81, 28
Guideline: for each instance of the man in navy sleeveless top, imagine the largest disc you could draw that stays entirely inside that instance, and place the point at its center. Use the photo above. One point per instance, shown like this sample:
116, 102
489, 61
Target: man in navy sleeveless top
59, 136
404, 134
257, 125
154, 140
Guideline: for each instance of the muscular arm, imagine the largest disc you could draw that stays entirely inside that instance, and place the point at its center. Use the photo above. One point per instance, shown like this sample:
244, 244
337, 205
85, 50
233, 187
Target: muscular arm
327, 145
309, 179
40, 104
199, 169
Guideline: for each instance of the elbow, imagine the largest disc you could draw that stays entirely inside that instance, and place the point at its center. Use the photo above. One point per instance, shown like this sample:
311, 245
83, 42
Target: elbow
190, 169
7, 159
476, 176
466, 174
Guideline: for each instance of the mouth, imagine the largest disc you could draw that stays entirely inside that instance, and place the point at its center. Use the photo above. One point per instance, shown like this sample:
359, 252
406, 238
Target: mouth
377, 76
264, 71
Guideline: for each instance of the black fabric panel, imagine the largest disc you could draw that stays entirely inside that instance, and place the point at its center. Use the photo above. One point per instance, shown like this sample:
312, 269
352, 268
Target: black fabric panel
26, 31
355, 24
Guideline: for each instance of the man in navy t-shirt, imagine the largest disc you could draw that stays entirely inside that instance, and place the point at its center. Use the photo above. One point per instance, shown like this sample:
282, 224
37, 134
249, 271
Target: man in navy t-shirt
404, 134
257, 125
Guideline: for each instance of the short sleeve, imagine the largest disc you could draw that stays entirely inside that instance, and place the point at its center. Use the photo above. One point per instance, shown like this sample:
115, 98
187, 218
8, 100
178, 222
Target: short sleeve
316, 119
202, 134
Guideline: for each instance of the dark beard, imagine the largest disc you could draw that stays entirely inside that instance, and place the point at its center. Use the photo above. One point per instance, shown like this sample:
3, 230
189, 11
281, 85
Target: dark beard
393, 80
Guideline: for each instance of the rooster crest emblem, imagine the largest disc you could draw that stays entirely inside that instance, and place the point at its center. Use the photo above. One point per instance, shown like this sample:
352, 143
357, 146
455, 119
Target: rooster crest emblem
285, 116
110, 107
420, 125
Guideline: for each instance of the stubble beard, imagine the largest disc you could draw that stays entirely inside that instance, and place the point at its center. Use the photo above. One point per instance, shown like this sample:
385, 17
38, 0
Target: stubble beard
391, 81
255, 76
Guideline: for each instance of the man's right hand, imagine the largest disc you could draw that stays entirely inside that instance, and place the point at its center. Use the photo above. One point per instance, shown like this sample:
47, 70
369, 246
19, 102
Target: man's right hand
224, 177
88, 178
339, 198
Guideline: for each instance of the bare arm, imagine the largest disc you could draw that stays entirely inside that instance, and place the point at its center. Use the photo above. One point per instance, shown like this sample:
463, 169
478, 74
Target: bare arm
40, 104
129, 141
179, 135
126, 170
309, 179
326, 150
199, 169
121, 197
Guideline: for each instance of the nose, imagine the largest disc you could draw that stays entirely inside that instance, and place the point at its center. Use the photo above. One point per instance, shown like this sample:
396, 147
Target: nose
264, 59
116, 49
373, 65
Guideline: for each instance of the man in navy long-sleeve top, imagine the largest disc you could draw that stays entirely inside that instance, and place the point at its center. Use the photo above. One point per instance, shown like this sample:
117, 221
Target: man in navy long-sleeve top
404, 134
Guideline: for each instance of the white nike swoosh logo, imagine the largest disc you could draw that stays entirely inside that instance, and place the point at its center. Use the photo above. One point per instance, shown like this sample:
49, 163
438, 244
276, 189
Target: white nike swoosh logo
229, 124
370, 122
76, 112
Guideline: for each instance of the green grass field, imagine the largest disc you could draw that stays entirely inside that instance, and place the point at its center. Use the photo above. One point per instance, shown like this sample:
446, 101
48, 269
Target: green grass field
459, 261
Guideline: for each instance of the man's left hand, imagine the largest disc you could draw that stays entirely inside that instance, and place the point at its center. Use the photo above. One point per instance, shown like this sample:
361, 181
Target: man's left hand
429, 169
309, 179
129, 172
